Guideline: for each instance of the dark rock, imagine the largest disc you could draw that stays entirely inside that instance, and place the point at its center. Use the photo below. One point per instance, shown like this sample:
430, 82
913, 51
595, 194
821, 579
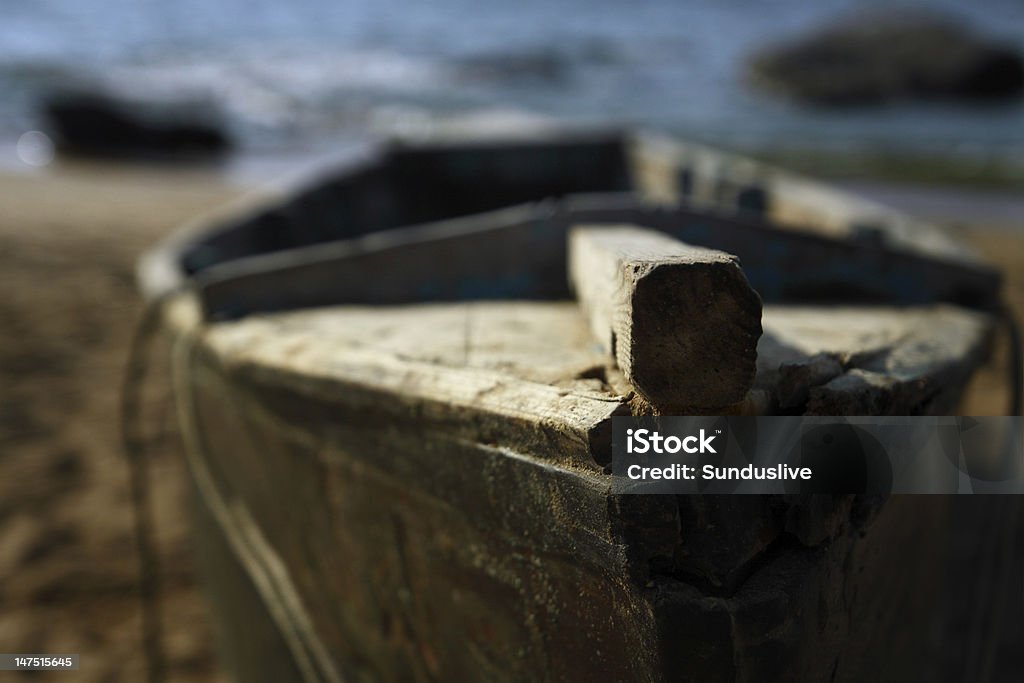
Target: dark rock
879, 58
106, 125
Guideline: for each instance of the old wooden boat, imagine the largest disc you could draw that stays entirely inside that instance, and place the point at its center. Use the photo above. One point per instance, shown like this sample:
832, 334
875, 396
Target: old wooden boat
397, 425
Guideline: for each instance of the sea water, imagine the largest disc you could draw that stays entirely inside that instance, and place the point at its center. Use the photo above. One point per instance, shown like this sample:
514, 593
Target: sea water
288, 74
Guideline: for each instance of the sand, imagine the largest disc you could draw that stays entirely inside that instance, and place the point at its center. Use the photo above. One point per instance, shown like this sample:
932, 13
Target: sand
67, 564
68, 241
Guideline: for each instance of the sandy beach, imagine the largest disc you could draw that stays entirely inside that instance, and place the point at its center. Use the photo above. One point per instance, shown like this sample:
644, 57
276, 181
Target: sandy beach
68, 242
67, 566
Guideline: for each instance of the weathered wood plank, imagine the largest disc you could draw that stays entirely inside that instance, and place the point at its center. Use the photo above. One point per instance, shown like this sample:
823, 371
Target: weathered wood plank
871, 360
514, 253
486, 561
519, 253
455, 368
807, 264
542, 353
682, 322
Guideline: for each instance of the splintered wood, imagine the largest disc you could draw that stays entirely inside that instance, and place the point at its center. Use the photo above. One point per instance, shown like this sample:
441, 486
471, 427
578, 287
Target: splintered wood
682, 322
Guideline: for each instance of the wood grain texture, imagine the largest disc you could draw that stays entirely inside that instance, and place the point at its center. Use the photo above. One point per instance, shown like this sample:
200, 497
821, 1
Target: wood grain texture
809, 358
682, 322
424, 477
871, 360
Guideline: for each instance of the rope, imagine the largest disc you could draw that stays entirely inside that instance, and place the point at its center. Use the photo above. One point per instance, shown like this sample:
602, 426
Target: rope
265, 570
1016, 360
134, 443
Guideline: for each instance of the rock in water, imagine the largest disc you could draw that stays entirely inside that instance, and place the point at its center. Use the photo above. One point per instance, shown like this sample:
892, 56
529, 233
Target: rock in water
106, 125
878, 58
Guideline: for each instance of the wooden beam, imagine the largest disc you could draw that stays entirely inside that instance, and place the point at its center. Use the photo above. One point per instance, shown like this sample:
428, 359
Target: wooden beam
682, 322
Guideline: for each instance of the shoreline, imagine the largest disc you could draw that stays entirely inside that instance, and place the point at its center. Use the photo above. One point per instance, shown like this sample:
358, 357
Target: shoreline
993, 199
967, 171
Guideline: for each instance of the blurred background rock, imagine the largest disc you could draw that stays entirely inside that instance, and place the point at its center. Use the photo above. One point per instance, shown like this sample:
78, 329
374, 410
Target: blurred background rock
882, 57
